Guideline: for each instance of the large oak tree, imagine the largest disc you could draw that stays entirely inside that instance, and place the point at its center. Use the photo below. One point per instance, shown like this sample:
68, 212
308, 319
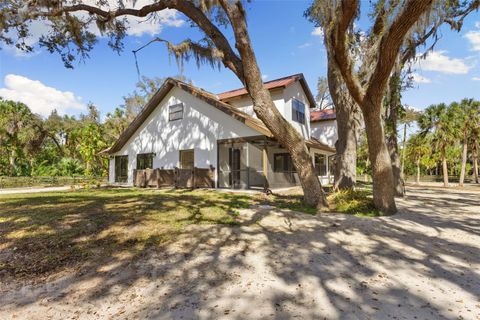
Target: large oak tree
70, 36
367, 79
424, 34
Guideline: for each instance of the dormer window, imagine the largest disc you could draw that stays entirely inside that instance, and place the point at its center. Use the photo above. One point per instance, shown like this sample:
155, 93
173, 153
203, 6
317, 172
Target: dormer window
175, 112
298, 111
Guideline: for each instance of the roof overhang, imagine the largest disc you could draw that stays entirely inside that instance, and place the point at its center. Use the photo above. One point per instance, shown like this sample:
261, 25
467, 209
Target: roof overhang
315, 143
208, 97
271, 86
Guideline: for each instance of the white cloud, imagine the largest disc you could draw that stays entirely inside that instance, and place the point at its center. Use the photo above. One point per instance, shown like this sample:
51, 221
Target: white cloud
153, 26
264, 77
413, 108
305, 45
38, 97
440, 62
476, 78
150, 25
420, 79
477, 24
474, 38
318, 31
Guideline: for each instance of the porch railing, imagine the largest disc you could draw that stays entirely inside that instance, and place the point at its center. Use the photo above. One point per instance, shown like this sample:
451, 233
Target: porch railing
177, 178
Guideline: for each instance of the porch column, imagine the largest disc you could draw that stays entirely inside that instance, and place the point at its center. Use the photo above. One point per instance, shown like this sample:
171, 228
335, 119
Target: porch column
265, 163
231, 166
248, 166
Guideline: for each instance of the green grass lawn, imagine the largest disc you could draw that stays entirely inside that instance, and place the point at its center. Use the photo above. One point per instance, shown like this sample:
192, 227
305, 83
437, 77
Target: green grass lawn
355, 202
41, 233
44, 232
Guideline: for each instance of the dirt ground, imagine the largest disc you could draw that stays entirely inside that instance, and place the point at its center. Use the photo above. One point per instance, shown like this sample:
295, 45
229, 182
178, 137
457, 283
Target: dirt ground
422, 263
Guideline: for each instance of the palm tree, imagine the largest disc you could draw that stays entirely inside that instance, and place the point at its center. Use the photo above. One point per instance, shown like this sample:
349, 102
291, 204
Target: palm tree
467, 115
409, 116
418, 150
15, 119
439, 120
474, 138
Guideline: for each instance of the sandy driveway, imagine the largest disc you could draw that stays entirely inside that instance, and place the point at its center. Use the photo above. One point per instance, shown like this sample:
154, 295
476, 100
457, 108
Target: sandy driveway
423, 263
33, 190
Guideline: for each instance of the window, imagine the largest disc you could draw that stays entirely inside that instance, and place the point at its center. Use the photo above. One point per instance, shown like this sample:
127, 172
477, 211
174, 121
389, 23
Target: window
320, 161
282, 162
144, 161
298, 111
187, 159
121, 168
175, 112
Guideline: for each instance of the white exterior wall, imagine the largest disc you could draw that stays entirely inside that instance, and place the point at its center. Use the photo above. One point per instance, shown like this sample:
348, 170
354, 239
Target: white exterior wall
202, 125
295, 90
325, 131
283, 101
245, 103
111, 170
328, 178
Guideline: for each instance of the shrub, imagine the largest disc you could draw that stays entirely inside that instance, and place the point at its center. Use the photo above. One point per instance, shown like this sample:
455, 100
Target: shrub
357, 202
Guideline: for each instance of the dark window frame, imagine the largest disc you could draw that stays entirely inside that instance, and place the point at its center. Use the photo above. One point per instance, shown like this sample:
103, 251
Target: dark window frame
145, 161
318, 166
297, 114
286, 162
181, 160
121, 166
175, 112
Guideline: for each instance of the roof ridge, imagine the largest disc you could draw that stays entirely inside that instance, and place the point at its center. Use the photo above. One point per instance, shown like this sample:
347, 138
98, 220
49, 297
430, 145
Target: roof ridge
192, 86
265, 82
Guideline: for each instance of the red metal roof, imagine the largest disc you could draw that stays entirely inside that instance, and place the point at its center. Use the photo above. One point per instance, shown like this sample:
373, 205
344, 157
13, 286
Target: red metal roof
277, 83
327, 114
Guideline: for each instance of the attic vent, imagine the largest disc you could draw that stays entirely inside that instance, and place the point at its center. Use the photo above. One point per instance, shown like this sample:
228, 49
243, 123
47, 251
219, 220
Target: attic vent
175, 112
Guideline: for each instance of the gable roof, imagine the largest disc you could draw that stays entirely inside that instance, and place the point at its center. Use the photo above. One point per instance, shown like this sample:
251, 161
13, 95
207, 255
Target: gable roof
273, 84
206, 96
321, 115
315, 143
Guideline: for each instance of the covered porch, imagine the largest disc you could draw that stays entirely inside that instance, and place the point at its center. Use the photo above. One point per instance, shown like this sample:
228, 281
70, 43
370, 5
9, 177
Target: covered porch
261, 162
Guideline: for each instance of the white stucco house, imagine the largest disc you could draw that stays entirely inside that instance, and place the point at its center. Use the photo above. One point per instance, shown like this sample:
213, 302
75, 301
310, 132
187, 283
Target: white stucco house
323, 126
183, 126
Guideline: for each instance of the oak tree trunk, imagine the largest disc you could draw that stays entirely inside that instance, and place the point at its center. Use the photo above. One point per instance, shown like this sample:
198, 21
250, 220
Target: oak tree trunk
367, 164
382, 173
345, 170
391, 121
445, 171
396, 165
266, 111
404, 151
464, 161
369, 93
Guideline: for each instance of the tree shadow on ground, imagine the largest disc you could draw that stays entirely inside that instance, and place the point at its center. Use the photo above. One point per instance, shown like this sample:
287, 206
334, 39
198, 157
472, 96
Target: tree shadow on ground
280, 264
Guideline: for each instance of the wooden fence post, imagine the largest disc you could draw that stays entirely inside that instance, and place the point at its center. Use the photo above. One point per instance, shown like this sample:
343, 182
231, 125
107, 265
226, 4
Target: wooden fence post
193, 177
175, 177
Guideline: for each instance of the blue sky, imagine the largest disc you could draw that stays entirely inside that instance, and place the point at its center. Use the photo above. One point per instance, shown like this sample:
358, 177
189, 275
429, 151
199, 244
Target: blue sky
284, 42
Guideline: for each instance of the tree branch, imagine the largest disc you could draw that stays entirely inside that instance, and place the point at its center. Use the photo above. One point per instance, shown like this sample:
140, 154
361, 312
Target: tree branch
187, 48
337, 38
457, 24
390, 45
410, 50
230, 58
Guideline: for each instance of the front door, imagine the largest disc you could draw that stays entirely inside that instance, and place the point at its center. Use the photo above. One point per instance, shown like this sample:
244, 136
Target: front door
235, 167
121, 168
